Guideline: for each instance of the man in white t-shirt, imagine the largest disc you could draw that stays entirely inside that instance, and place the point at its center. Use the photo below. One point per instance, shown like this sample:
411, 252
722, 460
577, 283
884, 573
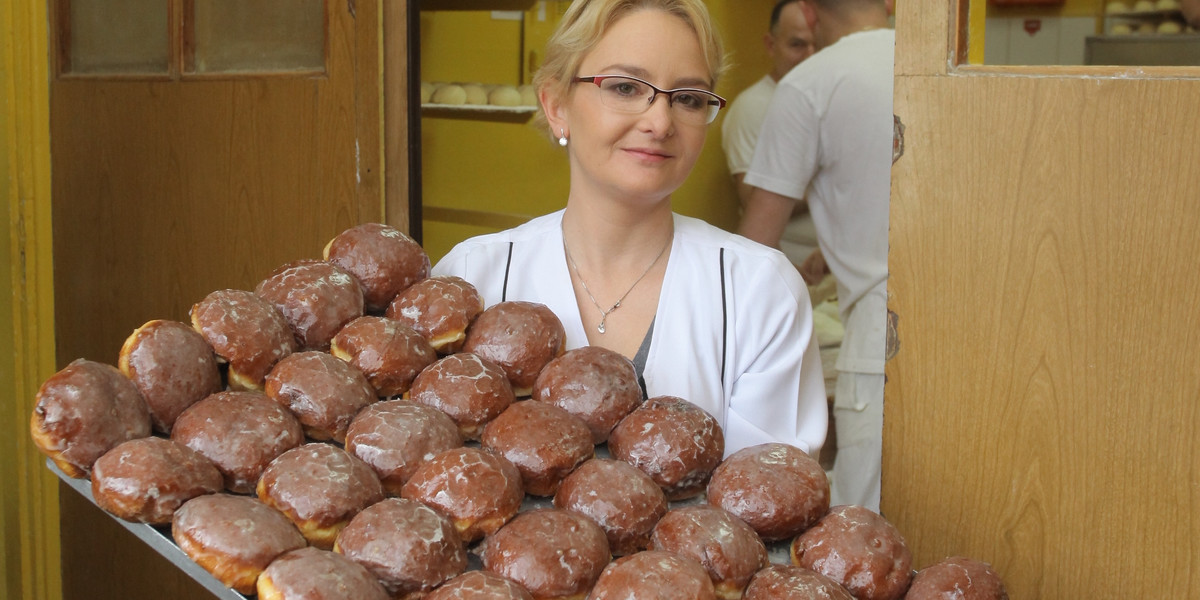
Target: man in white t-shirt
788, 42
828, 137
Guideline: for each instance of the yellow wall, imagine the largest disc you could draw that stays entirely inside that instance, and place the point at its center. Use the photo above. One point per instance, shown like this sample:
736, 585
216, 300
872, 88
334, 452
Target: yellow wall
29, 553
511, 167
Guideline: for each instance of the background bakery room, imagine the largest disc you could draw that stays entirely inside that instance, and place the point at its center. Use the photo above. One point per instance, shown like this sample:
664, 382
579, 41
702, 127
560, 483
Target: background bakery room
1039, 410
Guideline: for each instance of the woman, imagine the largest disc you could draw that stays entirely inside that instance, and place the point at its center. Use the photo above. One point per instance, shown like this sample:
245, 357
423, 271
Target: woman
705, 315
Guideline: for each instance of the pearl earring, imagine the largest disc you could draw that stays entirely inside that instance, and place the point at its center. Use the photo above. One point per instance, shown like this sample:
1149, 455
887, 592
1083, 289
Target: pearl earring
562, 138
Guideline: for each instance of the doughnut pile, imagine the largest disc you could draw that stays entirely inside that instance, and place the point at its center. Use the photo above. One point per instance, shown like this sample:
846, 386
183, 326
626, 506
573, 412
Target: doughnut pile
355, 427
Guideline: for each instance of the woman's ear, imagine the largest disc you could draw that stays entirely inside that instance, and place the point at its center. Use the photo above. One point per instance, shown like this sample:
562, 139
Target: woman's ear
554, 108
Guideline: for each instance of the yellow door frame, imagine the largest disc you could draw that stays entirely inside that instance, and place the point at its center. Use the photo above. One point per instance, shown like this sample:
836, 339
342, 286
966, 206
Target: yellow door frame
29, 554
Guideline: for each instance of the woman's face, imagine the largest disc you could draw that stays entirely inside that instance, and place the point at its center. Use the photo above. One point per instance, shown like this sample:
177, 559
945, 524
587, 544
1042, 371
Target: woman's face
643, 156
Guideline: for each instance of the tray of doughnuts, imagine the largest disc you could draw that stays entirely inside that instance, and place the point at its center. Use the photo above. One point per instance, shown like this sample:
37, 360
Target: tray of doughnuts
356, 422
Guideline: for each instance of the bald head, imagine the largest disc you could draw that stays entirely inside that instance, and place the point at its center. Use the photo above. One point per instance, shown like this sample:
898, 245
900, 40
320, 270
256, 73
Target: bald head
789, 40
838, 6
830, 20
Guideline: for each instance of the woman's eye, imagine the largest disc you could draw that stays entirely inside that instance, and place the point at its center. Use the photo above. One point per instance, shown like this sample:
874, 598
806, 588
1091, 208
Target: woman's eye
690, 100
625, 88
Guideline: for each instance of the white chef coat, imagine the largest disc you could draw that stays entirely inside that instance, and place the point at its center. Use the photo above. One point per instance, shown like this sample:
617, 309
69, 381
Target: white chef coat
732, 334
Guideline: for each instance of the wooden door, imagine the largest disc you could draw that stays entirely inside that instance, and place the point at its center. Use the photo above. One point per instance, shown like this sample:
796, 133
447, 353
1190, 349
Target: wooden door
206, 176
1041, 410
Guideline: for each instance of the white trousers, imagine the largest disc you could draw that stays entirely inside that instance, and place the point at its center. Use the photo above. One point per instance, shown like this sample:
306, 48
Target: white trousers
858, 419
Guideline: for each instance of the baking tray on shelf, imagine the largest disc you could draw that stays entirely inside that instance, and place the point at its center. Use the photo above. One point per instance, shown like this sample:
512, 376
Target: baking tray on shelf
158, 538
487, 112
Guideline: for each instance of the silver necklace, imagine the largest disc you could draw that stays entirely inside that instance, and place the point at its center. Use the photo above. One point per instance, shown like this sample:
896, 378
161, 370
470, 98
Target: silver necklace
604, 313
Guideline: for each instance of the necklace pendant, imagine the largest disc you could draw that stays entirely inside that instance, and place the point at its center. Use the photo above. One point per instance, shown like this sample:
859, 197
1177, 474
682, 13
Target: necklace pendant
600, 327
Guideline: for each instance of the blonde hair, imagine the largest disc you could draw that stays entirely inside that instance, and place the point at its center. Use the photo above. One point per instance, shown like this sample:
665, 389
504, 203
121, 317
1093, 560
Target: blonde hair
585, 23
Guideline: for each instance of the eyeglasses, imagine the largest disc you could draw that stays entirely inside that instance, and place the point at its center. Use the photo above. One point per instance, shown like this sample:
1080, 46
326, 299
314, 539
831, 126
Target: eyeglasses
634, 96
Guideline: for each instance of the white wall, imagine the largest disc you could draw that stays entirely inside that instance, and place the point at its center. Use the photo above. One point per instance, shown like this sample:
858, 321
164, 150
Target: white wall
1046, 41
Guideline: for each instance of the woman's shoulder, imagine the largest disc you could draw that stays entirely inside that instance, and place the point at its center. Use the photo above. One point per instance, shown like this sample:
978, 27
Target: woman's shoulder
534, 229
750, 260
703, 234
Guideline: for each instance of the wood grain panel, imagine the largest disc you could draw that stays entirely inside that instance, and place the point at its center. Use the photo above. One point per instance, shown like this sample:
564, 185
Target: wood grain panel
1041, 411
929, 37
167, 190
400, 128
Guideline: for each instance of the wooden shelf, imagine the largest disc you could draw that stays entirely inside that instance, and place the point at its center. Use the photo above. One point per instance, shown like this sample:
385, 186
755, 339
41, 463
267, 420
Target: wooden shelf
1145, 15
479, 112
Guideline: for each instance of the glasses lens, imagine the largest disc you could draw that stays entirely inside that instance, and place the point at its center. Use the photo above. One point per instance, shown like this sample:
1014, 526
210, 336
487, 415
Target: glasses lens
625, 94
695, 106
630, 95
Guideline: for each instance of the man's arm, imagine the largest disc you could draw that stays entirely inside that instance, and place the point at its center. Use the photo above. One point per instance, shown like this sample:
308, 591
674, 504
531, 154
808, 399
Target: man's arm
766, 215
743, 191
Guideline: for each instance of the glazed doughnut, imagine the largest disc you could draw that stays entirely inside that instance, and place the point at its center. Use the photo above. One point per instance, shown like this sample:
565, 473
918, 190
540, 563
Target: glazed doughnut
83, 411
480, 585
544, 441
653, 575
789, 582
469, 389
859, 549
726, 547
555, 554
172, 365
146, 480
408, 546
245, 331
520, 337
621, 499
240, 432
593, 383
315, 574
390, 353
440, 309
777, 489
323, 392
233, 537
319, 487
317, 299
673, 441
957, 578
382, 258
478, 491
396, 436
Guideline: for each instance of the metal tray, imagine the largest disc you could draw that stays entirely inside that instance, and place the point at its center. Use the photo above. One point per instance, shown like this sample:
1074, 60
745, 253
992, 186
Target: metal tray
157, 538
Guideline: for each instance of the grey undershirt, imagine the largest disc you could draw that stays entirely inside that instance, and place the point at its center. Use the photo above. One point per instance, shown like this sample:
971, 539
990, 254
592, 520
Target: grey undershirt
639, 359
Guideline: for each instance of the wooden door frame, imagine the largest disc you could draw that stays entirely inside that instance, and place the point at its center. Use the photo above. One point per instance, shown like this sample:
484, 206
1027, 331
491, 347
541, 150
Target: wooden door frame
30, 501
401, 27
971, 463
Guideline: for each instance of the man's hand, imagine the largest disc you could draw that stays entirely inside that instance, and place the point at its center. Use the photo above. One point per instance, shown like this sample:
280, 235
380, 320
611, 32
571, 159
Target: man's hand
814, 269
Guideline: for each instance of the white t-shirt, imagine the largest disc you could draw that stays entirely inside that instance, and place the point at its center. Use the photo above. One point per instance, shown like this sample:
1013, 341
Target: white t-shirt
739, 135
739, 131
828, 135
733, 332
